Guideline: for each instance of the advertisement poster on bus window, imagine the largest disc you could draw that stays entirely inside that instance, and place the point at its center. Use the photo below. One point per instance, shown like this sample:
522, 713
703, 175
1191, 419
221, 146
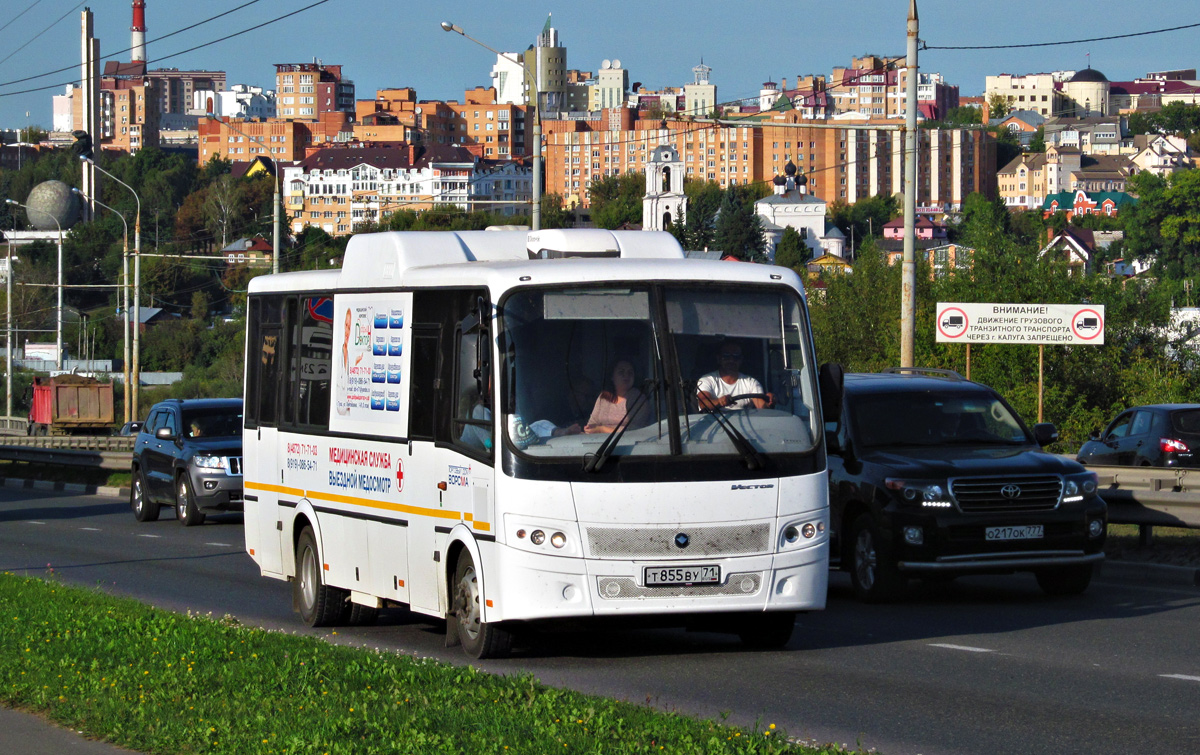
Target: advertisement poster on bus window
370, 358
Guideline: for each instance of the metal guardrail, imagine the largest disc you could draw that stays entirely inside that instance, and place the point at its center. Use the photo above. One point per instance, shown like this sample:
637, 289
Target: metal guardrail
1151, 496
95, 451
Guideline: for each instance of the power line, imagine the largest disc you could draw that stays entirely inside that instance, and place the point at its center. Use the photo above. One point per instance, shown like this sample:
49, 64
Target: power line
127, 49
1068, 42
43, 31
226, 38
22, 13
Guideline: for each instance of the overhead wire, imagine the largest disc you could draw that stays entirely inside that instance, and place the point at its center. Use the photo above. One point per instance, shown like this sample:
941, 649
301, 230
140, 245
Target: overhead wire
22, 13
225, 38
128, 49
1106, 38
40, 33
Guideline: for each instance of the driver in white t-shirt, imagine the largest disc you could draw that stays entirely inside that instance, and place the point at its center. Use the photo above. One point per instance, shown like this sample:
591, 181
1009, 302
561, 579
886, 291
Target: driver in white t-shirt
715, 389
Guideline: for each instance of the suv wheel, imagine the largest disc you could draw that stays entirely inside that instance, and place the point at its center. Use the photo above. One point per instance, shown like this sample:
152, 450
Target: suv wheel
144, 510
872, 571
186, 510
1065, 580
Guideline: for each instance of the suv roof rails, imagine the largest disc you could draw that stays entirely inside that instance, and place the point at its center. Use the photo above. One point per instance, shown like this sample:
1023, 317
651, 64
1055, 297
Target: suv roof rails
932, 371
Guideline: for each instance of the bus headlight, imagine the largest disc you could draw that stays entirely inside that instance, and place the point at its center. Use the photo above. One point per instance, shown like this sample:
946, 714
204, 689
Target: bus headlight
558, 539
537, 537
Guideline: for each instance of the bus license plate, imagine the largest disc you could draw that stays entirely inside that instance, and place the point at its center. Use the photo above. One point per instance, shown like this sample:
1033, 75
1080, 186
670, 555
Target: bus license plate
1027, 532
681, 575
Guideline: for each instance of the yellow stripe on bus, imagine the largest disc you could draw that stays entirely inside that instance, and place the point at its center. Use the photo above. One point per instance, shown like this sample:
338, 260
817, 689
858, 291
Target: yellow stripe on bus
369, 503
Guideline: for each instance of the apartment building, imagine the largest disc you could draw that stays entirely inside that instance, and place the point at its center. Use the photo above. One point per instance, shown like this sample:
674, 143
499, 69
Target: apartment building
129, 108
1039, 92
308, 90
280, 139
176, 87
1097, 135
339, 188
498, 128
847, 163
877, 87
1029, 179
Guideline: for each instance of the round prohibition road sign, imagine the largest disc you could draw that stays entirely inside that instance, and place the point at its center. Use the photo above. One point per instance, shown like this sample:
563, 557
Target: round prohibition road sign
1087, 324
952, 322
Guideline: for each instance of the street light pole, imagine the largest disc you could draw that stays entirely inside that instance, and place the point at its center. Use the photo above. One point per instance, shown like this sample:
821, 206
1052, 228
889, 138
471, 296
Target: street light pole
908, 265
535, 212
276, 205
124, 297
58, 330
136, 375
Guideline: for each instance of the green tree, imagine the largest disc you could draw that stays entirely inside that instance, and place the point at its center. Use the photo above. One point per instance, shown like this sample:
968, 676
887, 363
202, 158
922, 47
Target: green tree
866, 217
1038, 142
791, 251
965, 115
618, 199
999, 106
554, 215
703, 201
738, 230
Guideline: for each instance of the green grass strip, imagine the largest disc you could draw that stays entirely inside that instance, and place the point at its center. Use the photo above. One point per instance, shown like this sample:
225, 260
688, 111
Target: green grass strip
162, 682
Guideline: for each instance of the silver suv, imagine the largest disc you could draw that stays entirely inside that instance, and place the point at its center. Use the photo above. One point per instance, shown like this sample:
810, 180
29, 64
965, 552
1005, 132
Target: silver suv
188, 454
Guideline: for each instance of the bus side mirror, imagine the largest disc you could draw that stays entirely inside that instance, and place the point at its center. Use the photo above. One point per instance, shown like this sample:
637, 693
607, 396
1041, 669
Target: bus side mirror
830, 380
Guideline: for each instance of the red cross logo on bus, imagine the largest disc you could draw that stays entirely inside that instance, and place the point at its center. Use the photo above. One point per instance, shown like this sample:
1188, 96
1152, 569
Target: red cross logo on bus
399, 475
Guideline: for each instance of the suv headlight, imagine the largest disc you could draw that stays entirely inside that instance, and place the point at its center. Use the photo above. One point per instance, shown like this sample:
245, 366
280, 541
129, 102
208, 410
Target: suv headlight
209, 462
929, 494
1080, 486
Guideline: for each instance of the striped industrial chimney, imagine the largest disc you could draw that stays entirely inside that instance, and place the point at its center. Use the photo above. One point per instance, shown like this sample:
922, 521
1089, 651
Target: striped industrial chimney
138, 38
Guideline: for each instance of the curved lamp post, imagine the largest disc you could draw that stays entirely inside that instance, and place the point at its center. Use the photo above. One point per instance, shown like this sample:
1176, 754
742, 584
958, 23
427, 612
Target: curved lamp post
124, 294
136, 376
59, 329
535, 214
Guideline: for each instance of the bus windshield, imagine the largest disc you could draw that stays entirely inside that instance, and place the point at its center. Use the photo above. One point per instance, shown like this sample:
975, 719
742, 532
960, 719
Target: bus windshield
673, 369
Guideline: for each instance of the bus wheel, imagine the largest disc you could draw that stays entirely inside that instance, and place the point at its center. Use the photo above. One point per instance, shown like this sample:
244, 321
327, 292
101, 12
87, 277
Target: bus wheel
766, 631
143, 510
479, 639
320, 605
359, 615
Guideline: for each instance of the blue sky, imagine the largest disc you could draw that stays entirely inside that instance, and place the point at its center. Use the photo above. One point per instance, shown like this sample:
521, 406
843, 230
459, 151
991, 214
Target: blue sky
383, 43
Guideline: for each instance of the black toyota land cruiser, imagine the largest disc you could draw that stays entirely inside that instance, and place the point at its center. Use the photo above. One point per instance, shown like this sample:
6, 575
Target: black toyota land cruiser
934, 476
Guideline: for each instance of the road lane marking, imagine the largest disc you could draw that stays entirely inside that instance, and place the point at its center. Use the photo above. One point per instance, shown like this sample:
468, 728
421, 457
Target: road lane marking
149, 535
1184, 677
966, 648
90, 529
220, 545
35, 522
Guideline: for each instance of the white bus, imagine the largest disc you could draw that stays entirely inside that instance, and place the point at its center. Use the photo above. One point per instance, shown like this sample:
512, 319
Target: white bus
501, 427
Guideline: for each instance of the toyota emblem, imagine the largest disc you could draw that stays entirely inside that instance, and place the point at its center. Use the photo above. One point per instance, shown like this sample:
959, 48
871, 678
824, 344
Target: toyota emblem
682, 540
1011, 491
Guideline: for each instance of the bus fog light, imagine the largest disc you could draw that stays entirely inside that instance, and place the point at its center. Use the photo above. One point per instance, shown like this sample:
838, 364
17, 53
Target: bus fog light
1095, 527
808, 530
537, 537
612, 589
569, 592
914, 535
747, 585
558, 539
791, 534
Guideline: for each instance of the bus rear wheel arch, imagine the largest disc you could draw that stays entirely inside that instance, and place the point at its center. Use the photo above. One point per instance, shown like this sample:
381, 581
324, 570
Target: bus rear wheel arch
319, 604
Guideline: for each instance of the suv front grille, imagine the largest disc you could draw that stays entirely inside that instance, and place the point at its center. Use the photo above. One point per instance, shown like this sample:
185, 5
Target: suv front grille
986, 495
235, 465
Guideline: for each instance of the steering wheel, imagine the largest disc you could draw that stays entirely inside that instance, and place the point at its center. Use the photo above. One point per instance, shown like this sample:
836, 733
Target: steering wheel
741, 396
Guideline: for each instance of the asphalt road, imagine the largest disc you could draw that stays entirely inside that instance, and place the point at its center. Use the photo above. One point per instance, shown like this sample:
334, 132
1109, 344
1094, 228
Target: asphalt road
982, 665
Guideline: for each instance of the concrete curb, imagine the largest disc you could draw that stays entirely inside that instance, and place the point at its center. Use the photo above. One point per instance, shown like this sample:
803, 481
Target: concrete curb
65, 487
1149, 573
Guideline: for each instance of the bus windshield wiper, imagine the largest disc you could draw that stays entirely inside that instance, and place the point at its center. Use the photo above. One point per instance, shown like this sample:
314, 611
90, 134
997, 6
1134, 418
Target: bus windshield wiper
595, 462
754, 459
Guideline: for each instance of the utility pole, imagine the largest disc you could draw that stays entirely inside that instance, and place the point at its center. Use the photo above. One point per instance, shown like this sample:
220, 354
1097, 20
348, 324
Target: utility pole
908, 267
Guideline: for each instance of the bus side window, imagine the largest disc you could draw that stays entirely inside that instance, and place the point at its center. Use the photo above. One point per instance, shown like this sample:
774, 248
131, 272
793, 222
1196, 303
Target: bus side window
473, 392
310, 364
426, 365
262, 390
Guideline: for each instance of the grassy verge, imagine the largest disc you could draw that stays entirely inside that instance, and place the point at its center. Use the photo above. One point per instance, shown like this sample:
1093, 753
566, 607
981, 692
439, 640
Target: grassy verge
1176, 546
63, 473
162, 682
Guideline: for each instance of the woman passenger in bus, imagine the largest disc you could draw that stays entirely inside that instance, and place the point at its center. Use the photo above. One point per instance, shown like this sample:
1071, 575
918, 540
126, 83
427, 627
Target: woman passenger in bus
617, 400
